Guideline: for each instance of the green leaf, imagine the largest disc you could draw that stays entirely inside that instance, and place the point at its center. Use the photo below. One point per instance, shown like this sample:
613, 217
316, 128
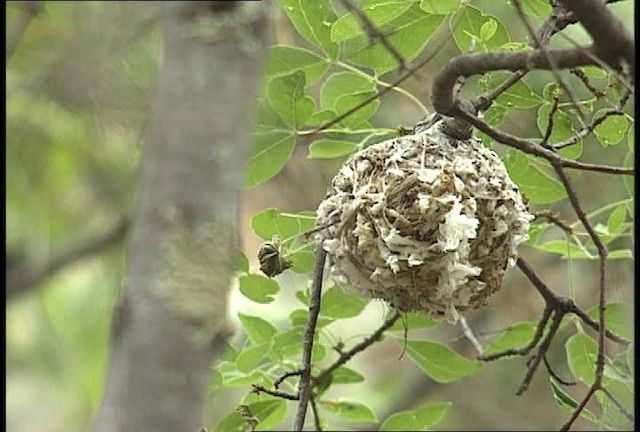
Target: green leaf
242, 262
517, 336
495, 114
620, 254
350, 410
320, 117
258, 288
562, 247
440, 7
249, 358
629, 162
581, 354
258, 329
231, 423
270, 222
567, 403
299, 317
631, 143
612, 418
408, 33
518, 95
289, 343
536, 8
616, 221
341, 84
285, 94
618, 319
416, 420
328, 149
488, 29
336, 303
232, 377
379, 13
359, 117
270, 413
344, 375
538, 187
271, 151
594, 71
470, 24
611, 130
562, 130
303, 261
287, 59
313, 20
440, 362
412, 321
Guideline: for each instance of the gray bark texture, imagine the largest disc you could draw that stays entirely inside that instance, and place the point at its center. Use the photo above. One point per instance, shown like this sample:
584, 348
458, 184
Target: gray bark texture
171, 322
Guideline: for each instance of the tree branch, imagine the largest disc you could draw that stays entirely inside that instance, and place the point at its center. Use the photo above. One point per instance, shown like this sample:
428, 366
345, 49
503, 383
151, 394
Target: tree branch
304, 388
22, 280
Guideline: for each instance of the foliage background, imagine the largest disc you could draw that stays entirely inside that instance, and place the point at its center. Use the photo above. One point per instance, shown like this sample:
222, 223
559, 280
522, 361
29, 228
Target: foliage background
79, 87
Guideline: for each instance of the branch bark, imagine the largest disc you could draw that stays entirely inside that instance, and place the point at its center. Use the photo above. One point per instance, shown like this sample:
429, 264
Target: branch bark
171, 322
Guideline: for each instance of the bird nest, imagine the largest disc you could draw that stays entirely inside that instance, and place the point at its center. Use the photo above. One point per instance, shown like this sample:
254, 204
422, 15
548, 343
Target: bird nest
426, 222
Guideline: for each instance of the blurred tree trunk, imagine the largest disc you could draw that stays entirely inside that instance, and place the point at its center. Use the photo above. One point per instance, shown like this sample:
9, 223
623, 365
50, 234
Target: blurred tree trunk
170, 324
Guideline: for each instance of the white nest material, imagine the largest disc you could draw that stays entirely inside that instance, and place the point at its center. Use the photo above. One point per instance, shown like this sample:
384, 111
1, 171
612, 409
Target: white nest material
426, 222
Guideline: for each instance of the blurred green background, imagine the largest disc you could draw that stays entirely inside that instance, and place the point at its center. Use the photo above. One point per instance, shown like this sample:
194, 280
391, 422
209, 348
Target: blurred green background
80, 84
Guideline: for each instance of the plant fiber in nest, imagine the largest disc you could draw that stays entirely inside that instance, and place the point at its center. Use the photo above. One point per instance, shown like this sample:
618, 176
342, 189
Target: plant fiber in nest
426, 222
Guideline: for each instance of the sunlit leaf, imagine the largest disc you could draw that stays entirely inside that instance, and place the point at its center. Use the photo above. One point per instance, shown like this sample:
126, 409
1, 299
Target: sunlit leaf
440, 362
379, 12
258, 288
313, 20
465, 27
519, 95
562, 130
249, 358
328, 149
581, 354
611, 130
270, 154
350, 410
537, 186
336, 303
618, 319
567, 403
284, 60
412, 321
416, 420
517, 336
440, 7
344, 375
285, 94
258, 329
270, 222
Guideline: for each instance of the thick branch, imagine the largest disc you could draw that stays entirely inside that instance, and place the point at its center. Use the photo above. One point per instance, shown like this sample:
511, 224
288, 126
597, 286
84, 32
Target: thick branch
21, 280
465, 65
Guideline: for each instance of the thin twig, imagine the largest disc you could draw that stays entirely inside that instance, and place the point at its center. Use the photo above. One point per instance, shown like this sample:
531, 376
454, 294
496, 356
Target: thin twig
555, 375
286, 375
587, 130
554, 67
585, 80
347, 355
304, 387
373, 33
316, 414
29, 10
468, 333
547, 133
260, 389
617, 403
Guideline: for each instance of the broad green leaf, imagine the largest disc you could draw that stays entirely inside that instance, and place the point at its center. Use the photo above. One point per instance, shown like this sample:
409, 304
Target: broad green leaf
299, 317
440, 362
289, 343
303, 261
336, 303
303, 296
258, 288
611, 130
567, 403
287, 59
629, 162
235, 378
270, 413
494, 115
379, 13
517, 336
258, 329
594, 71
538, 187
440, 7
408, 33
518, 95
536, 8
270, 222
359, 117
285, 94
350, 410
249, 358
620, 254
616, 220
412, 321
470, 24
618, 319
328, 149
416, 420
270, 154
231, 423
562, 130
242, 262
313, 20
320, 117
344, 375
631, 139
611, 416
581, 354
344, 83
562, 247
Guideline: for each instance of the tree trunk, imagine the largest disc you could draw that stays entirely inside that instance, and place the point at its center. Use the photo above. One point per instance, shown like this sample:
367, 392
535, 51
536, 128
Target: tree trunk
171, 322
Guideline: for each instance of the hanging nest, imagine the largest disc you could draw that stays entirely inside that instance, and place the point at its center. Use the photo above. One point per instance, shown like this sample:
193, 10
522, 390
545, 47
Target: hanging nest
426, 222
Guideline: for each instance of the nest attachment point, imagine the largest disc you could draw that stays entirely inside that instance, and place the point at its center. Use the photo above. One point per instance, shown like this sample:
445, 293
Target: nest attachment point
426, 222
